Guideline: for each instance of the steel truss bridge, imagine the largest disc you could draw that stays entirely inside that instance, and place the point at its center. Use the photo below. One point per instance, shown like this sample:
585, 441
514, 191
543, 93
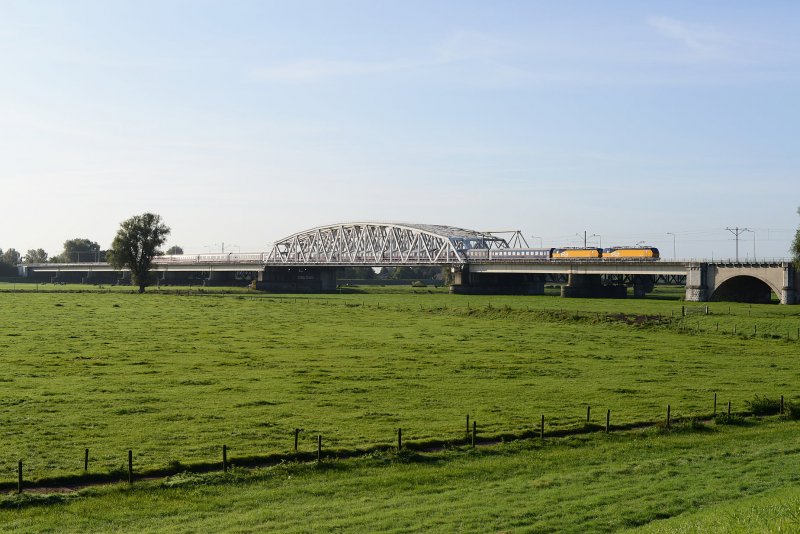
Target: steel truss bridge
485, 254
381, 244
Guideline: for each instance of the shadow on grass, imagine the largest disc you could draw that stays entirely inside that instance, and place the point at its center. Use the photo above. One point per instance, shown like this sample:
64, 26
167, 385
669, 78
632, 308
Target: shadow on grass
25, 500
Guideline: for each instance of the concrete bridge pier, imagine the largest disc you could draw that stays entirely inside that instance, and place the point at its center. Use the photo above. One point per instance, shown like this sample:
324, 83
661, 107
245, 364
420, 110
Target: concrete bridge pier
788, 296
642, 285
591, 286
469, 283
696, 288
297, 279
791, 279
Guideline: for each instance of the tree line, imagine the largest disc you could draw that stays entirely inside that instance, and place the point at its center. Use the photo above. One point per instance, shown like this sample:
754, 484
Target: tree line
75, 251
136, 244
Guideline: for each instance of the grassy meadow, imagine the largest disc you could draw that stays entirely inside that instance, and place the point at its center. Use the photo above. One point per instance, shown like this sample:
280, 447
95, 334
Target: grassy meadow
692, 479
174, 376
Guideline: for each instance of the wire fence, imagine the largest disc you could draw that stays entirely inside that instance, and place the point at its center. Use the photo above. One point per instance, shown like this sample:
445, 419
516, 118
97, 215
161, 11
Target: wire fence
471, 438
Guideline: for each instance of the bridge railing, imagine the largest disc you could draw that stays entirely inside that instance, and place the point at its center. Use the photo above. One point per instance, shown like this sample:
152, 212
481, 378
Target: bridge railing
732, 261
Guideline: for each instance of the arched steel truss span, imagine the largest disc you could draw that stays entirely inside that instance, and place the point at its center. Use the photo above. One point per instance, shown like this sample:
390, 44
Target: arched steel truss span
376, 244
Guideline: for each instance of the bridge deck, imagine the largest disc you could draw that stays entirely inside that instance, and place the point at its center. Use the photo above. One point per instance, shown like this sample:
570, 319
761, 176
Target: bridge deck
257, 262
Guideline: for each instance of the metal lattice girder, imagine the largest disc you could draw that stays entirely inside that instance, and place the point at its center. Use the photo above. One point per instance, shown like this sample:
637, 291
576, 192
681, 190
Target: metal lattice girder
369, 243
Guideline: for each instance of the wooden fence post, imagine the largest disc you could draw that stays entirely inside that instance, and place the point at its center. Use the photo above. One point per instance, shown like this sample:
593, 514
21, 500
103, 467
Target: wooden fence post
19, 477
296, 433
668, 408
399, 439
319, 448
224, 458
86, 460
474, 432
130, 466
781, 404
541, 429
608, 421
467, 424
588, 412
729, 407
715, 404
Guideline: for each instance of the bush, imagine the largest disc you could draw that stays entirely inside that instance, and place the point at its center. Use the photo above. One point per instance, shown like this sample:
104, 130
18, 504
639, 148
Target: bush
763, 406
792, 410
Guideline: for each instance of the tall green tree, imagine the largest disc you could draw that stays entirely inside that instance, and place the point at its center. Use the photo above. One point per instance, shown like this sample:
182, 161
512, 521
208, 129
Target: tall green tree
796, 246
37, 255
11, 256
80, 249
136, 244
175, 250
8, 262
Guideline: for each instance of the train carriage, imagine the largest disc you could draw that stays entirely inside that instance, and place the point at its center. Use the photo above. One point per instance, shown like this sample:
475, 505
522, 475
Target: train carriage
631, 252
520, 253
577, 253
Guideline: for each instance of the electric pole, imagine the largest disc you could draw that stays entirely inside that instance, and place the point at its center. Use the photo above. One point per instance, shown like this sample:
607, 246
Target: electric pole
737, 232
673, 245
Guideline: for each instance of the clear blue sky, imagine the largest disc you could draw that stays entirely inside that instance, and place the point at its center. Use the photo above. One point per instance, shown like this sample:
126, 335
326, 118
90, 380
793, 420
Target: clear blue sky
242, 122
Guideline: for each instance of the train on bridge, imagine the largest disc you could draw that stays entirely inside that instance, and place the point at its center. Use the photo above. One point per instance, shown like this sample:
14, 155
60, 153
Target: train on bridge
570, 253
496, 254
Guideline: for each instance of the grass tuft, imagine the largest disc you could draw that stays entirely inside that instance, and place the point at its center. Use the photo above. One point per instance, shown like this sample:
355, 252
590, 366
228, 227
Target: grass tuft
730, 419
686, 426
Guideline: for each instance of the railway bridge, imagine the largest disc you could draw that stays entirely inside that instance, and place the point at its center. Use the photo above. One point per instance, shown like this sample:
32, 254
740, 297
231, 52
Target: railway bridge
480, 262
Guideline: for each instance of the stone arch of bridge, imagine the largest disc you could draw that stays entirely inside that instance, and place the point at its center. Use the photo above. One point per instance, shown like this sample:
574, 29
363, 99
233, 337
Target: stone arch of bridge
745, 288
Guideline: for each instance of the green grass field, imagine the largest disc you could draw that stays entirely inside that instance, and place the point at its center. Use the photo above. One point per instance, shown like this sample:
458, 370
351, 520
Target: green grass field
720, 479
176, 376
